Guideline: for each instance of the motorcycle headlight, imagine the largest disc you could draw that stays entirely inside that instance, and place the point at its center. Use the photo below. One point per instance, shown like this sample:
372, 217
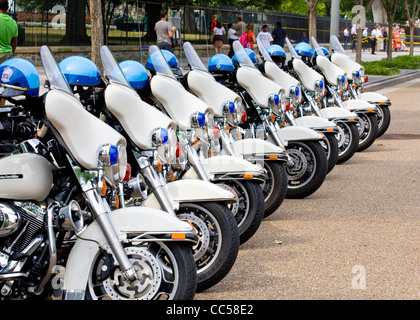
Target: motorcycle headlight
342, 82
197, 119
294, 94
171, 146
274, 102
159, 136
113, 159
319, 87
357, 76
229, 107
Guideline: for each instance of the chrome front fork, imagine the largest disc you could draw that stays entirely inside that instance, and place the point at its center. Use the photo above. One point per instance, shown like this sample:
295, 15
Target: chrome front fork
195, 161
100, 210
277, 140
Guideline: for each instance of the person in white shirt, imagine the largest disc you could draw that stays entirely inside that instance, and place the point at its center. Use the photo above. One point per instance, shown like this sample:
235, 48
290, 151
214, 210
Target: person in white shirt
353, 35
365, 32
217, 37
265, 36
374, 36
232, 36
346, 37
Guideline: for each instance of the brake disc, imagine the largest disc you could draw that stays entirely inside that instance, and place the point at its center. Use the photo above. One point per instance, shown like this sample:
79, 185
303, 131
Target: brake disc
300, 164
148, 280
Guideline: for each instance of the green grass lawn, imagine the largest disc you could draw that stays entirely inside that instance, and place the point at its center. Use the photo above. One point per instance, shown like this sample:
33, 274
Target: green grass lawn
389, 68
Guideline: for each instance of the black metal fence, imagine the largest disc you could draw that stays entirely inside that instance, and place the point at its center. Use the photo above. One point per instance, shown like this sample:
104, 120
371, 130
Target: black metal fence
63, 23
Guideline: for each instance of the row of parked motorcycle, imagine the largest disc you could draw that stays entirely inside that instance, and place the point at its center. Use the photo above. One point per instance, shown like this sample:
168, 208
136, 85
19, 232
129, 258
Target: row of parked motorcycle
143, 182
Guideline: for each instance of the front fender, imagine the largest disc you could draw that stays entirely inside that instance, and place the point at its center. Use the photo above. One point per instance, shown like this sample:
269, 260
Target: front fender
227, 167
132, 220
338, 114
258, 149
298, 133
359, 106
374, 98
316, 123
189, 190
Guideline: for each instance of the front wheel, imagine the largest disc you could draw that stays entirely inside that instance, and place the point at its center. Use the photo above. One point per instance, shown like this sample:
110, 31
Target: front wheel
249, 208
330, 145
309, 168
218, 245
275, 186
348, 140
165, 271
384, 119
368, 130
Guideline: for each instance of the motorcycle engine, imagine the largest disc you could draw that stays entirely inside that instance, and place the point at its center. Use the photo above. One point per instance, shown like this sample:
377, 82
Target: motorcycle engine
19, 223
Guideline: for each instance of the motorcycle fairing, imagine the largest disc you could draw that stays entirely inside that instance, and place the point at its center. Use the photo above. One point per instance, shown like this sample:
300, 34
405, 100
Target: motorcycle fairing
257, 149
137, 117
210, 91
344, 62
92, 241
282, 78
258, 86
329, 69
82, 132
307, 76
173, 96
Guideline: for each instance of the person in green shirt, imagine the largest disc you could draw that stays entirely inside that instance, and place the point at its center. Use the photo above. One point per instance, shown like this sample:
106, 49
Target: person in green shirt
8, 33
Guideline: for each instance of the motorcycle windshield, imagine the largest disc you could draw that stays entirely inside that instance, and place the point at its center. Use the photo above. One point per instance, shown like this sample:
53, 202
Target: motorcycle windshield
111, 67
336, 45
317, 48
159, 62
193, 58
292, 50
53, 72
241, 55
263, 50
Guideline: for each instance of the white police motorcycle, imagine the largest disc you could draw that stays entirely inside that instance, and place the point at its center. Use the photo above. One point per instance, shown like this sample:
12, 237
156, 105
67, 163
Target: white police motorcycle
357, 78
152, 140
337, 85
314, 91
127, 254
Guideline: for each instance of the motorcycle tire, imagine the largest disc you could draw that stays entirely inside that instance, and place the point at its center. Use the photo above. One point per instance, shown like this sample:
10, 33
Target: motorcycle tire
166, 270
368, 130
384, 119
350, 142
275, 186
331, 149
216, 252
309, 170
249, 209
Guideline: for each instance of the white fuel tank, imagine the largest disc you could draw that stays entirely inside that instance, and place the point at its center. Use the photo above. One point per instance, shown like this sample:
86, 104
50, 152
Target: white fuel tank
25, 176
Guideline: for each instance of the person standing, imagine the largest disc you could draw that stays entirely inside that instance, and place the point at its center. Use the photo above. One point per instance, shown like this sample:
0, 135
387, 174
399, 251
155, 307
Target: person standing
217, 37
385, 37
353, 32
265, 36
346, 37
304, 38
374, 36
213, 23
251, 35
232, 36
164, 32
240, 26
279, 34
8, 33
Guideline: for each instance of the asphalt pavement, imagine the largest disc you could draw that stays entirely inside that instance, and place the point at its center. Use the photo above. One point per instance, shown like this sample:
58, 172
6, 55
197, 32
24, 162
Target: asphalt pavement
357, 237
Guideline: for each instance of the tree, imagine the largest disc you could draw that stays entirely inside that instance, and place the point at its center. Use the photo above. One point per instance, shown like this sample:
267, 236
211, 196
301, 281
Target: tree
312, 5
413, 9
97, 27
390, 7
76, 24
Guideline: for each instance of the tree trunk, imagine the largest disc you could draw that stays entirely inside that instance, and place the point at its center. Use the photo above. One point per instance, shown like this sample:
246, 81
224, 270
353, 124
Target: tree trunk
411, 38
97, 31
359, 46
389, 44
75, 24
312, 21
